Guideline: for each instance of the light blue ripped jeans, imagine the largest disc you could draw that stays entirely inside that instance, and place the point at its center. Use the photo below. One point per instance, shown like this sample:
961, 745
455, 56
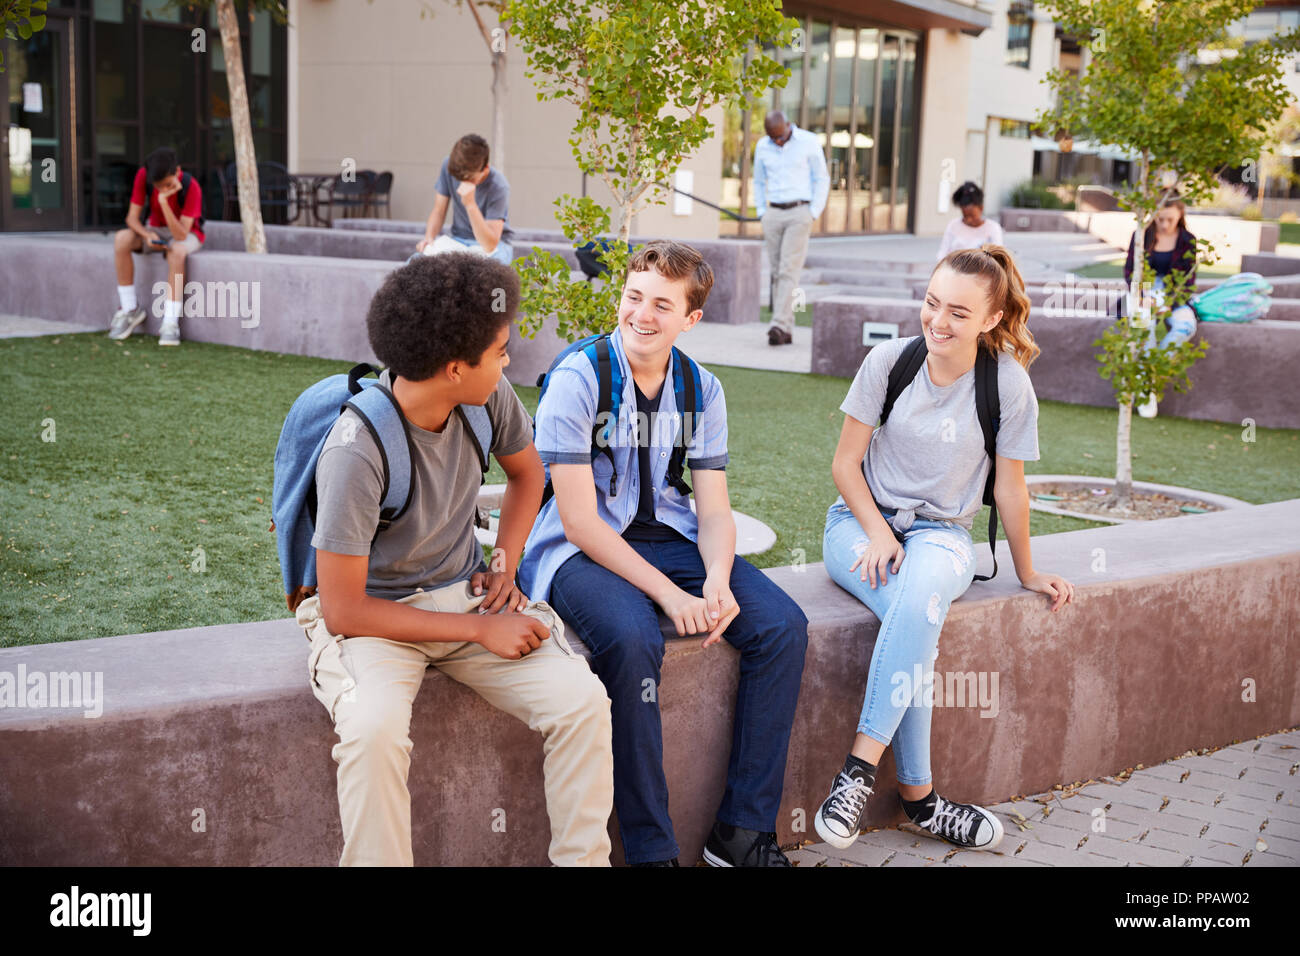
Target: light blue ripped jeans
1181, 323
938, 566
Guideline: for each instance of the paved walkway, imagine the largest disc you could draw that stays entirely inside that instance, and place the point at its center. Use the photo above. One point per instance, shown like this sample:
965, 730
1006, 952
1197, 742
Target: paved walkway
16, 326
1236, 806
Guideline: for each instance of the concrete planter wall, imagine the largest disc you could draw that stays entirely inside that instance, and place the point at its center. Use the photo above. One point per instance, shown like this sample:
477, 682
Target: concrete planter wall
736, 263
734, 299
1233, 238
222, 717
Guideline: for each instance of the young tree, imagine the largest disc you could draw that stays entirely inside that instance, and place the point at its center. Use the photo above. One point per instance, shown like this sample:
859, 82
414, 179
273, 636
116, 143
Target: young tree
495, 39
632, 68
1166, 81
19, 19
241, 123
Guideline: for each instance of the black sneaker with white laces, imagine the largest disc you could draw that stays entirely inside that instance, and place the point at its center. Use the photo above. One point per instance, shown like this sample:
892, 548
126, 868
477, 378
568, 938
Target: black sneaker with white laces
962, 824
839, 817
736, 846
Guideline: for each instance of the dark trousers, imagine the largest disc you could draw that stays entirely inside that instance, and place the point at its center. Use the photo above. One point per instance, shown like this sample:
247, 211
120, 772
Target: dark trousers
620, 624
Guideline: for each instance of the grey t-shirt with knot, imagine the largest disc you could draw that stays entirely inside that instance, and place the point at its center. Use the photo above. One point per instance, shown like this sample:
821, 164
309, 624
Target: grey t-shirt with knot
432, 544
928, 460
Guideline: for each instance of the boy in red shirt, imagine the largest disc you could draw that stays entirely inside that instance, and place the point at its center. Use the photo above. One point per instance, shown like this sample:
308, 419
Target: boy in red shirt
174, 229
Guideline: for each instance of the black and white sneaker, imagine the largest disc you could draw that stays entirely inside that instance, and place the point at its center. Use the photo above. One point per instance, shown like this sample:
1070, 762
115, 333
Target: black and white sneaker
963, 824
837, 821
736, 846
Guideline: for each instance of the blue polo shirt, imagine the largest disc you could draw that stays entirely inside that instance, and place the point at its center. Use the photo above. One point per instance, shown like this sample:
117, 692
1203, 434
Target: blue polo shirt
565, 418
794, 171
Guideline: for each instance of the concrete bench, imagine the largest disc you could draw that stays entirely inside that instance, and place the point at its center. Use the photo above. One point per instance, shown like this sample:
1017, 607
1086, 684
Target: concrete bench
1168, 622
1247, 373
734, 298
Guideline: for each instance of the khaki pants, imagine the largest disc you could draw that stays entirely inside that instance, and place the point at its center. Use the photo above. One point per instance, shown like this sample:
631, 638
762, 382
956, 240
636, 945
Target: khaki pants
368, 684
785, 236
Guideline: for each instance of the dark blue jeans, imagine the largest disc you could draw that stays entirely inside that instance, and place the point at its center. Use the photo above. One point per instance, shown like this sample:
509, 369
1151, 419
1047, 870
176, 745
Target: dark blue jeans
620, 624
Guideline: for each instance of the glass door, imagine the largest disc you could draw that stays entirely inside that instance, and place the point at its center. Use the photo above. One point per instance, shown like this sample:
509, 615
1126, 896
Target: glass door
36, 187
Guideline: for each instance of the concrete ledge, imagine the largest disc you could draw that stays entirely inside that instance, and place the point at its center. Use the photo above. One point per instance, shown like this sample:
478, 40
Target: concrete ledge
1247, 372
1147, 663
299, 255
1270, 264
1233, 237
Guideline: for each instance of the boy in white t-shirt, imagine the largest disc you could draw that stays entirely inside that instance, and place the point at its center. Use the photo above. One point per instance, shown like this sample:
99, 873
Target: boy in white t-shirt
972, 230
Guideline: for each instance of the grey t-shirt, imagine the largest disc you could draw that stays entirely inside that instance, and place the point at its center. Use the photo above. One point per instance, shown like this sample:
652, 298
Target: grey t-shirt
432, 544
928, 460
492, 196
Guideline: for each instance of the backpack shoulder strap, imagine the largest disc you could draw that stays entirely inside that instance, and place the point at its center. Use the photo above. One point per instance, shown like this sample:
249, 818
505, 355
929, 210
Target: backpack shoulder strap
609, 398
688, 392
479, 425
377, 407
905, 368
989, 409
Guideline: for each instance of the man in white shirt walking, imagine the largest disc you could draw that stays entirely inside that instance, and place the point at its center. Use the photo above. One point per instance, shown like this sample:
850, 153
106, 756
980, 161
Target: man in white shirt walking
790, 189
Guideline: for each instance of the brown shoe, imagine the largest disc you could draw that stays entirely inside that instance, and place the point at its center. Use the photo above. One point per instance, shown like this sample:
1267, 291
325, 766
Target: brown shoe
777, 336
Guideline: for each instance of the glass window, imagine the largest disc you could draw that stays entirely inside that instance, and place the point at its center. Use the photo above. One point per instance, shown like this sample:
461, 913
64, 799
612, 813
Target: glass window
168, 93
260, 41
115, 69
906, 134
864, 113
841, 146
160, 11
883, 199
817, 105
109, 11
789, 99
1020, 25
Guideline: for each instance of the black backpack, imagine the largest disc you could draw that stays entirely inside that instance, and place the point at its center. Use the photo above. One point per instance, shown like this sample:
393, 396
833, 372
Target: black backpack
987, 407
186, 180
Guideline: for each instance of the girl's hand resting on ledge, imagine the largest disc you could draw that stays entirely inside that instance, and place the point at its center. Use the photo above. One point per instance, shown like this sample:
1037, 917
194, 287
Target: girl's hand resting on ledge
1060, 590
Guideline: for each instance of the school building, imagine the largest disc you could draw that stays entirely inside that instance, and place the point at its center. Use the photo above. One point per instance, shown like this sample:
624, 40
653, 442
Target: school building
909, 98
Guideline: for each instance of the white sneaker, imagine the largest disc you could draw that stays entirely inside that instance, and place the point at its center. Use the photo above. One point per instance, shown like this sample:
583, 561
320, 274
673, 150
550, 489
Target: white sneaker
170, 333
1148, 408
124, 323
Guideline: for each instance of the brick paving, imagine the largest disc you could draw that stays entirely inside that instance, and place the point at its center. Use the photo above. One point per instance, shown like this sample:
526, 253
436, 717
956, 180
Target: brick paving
1236, 806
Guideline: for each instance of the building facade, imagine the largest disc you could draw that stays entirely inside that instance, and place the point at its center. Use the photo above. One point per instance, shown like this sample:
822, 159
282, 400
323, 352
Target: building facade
908, 97
108, 81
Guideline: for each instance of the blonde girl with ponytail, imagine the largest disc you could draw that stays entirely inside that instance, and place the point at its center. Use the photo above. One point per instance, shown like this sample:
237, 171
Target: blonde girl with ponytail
898, 537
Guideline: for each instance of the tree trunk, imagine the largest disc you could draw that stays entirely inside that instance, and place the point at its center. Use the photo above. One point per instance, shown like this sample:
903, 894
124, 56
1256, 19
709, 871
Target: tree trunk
1124, 458
1123, 445
241, 124
499, 90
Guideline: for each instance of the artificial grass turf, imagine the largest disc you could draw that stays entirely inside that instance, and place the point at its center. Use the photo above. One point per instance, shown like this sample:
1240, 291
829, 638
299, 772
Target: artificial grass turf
161, 452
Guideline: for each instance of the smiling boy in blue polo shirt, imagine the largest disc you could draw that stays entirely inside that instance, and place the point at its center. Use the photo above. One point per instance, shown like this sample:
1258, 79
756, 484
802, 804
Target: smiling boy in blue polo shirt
618, 543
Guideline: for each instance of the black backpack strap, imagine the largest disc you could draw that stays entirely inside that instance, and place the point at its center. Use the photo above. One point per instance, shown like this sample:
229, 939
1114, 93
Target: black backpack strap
989, 409
604, 367
906, 366
687, 396
604, 407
